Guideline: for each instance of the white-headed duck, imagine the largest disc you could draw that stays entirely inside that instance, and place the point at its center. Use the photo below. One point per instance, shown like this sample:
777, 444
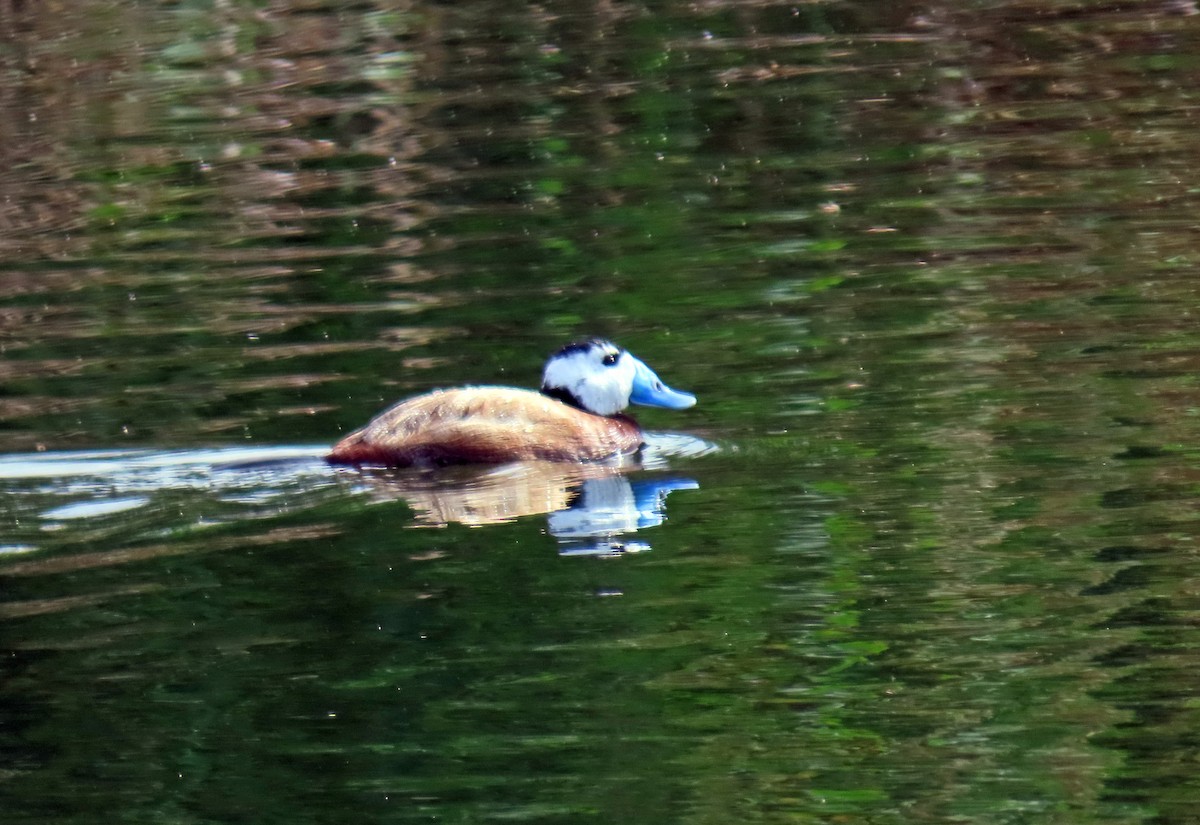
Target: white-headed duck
576, 417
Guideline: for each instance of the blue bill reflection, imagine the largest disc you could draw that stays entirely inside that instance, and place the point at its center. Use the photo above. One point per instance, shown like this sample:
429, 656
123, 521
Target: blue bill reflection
609, 512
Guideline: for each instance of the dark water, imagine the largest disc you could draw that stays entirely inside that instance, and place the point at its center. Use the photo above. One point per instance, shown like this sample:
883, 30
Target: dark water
928, 557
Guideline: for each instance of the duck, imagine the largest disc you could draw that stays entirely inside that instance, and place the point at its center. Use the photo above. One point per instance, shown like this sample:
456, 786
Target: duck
577, 416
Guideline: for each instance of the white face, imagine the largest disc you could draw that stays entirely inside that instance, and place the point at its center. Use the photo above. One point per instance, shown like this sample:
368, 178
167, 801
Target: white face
599, 376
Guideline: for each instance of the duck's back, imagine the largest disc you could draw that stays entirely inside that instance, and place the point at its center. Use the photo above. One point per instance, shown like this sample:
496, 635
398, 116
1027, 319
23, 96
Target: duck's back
486, 425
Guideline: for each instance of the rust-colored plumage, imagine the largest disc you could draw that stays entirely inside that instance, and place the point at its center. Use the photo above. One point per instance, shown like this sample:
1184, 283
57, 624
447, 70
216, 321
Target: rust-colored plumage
486, 425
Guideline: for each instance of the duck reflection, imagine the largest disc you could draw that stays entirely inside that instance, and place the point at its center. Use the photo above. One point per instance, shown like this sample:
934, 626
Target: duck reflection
592, 509
609, 510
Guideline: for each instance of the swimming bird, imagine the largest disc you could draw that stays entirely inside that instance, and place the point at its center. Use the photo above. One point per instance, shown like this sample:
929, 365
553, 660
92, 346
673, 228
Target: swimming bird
577, 416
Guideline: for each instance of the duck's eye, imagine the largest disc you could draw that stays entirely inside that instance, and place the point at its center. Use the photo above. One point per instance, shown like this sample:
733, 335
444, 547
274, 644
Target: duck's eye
611, 358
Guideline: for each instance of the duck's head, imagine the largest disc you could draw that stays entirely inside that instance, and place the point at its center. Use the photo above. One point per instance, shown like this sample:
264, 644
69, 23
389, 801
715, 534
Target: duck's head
604, 379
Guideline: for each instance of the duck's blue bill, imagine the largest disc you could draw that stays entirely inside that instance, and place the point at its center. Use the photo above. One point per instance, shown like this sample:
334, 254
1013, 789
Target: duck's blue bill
650, 391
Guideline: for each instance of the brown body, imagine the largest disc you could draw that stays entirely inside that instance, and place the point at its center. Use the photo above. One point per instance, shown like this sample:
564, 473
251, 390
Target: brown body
486, 425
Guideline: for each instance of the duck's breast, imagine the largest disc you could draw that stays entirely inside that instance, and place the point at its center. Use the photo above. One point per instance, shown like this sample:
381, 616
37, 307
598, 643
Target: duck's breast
486, 425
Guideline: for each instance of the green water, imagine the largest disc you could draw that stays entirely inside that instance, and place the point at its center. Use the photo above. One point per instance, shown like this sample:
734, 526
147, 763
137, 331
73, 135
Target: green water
931, 271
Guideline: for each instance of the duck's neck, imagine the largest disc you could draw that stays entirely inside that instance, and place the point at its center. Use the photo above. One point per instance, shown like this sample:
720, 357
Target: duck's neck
564, 395
567, 397
623, 418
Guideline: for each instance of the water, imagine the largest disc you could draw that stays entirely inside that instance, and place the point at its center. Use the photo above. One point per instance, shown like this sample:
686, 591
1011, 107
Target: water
922, 552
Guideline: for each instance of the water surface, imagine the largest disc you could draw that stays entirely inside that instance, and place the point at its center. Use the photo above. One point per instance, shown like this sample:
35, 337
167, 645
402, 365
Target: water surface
929, 270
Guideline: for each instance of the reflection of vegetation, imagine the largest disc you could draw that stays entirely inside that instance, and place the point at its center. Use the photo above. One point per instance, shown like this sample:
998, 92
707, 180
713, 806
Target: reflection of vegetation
928, 271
